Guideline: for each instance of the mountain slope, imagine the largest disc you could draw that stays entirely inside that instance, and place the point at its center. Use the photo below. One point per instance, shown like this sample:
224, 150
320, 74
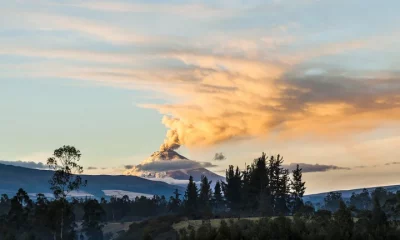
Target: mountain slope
36, 181
346, 194
168, 164
195, 173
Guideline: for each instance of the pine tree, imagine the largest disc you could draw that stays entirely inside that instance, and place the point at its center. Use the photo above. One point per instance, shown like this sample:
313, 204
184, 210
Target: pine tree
247, 198
191, 197
258, 181
282, 193
275, 171
233, 187
205, 190
218, 198
227, 186
298, 188
205, 196
278, 184
297, 185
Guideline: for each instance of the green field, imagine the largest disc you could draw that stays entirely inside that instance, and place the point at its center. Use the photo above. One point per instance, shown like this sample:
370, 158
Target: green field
214, 222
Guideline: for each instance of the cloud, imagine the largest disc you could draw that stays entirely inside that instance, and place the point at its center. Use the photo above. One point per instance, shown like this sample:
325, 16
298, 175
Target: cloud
392, 163
92, 168
26, 164
129, 167
314, 167
161, 166
360, 166
187, 10
96, 30
71, 54
240, 98
219, 157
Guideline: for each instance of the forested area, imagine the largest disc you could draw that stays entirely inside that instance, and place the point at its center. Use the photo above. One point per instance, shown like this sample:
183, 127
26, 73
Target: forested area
262, 201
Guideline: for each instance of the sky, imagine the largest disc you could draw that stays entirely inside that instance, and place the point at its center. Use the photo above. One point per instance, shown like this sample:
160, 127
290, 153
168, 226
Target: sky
316, 81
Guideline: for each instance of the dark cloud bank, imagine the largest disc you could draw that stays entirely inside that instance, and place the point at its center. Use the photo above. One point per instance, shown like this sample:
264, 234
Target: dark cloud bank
127, 167
314, 167
219, 157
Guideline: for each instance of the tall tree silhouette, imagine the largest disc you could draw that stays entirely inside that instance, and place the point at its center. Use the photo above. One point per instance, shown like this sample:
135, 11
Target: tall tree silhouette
218, 199
232, 187
205, 195
191, 196
259, 182
65, 179
298, 188
279, 184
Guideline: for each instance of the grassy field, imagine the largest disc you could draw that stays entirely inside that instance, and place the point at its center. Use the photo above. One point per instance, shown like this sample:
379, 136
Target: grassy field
111, 227
214, 222
116, 227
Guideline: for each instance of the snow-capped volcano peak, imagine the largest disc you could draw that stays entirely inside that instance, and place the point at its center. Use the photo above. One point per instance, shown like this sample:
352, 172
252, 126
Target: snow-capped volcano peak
159, 163
170, 164
165, 155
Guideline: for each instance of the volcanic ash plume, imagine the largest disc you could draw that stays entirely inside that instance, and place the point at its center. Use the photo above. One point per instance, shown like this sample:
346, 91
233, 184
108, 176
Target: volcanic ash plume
171, 141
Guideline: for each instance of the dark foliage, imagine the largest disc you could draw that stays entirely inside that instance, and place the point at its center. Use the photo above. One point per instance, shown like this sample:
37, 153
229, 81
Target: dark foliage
263, 189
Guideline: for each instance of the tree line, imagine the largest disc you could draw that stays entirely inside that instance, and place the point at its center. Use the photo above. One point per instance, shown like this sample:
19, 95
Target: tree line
263, 189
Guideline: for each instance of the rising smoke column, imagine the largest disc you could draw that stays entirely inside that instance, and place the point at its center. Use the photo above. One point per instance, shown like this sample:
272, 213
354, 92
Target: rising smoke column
171, 141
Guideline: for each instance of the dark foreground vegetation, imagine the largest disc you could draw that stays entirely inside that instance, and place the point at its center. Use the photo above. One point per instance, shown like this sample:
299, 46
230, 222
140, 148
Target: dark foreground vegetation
263, 201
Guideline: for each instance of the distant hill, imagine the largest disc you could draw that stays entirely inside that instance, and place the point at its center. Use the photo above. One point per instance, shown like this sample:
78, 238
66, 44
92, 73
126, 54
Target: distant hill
36, 181
346, 194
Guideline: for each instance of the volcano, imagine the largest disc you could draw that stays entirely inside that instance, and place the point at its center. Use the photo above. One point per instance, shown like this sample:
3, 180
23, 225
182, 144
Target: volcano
169, 165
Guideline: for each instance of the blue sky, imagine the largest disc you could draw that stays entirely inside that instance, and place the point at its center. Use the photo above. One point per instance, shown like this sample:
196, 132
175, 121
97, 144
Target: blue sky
314, 80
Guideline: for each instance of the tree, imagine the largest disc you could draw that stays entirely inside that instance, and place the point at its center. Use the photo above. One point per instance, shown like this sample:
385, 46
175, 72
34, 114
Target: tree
42, 222
381, 194
174, 202
65, 179
282, 193
66, 169
205, 195
344, 221
258, 181
4, 204
20, 212
92, 220
297, 185
278, 184
232, 187
378, 219
332, 201
361, 201
218, 199
298, 188
191, 197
